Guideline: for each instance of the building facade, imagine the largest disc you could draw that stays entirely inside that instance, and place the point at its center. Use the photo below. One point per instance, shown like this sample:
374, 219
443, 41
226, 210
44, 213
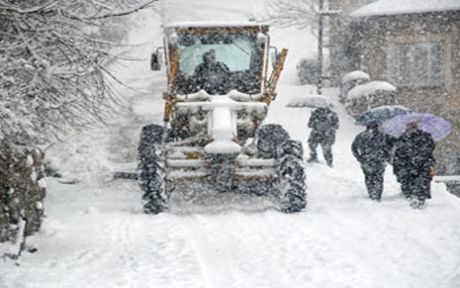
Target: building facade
419, 52
342, 52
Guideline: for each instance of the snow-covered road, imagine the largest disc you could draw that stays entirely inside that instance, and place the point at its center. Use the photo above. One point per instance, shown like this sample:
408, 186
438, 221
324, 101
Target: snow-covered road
98, 237
95, 234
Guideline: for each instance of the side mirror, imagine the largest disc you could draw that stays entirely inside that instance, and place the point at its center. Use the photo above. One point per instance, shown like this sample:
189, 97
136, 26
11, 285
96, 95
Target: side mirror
173, 39
155, 61
274, 55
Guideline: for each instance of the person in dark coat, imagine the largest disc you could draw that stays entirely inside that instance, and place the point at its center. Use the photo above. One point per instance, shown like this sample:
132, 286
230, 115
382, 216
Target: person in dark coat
413, 164
372, 150
212, 75
324, 123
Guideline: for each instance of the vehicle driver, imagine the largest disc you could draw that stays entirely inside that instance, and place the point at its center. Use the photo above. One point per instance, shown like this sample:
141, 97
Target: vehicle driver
212, 75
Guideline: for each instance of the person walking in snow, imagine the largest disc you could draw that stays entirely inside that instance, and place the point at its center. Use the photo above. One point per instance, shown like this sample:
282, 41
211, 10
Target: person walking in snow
413, 164
372, 150
324, 123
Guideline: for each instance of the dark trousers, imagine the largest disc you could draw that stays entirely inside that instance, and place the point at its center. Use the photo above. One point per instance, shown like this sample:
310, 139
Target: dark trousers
417, 186
373, 177
326, 147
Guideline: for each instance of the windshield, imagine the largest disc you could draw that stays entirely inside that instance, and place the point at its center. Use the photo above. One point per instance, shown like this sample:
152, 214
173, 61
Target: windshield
235, 51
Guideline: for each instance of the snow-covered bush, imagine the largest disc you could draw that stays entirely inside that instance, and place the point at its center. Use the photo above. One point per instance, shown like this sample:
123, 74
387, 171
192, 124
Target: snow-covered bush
22, 190
52, 79
350, 81
308, 71
370, 95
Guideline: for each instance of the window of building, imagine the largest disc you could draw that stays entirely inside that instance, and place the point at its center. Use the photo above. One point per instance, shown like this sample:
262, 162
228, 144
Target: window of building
419, 64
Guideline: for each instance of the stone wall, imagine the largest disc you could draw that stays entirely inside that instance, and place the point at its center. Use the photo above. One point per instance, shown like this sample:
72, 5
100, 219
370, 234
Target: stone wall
22, 190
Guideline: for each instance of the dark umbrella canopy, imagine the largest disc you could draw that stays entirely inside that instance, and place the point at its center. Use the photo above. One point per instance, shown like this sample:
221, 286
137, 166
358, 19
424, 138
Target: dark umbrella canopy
381, 114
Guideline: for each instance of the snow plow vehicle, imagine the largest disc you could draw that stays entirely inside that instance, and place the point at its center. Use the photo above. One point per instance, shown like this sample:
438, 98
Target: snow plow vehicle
218, 93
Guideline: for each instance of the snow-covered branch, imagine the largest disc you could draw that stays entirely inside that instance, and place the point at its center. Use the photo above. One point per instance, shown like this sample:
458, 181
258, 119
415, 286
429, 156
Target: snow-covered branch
52, 56
7, 6
124, 13
288, 13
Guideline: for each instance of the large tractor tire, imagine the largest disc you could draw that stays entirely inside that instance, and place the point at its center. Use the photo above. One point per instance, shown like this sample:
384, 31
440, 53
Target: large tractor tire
152, 169
291, 174
269, 138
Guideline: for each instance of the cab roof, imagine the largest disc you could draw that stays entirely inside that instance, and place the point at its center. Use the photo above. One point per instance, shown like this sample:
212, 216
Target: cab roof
218, 26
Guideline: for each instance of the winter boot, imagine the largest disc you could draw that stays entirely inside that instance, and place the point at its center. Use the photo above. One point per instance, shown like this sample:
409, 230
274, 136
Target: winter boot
405, 189
327, 152
428, 193
417, 203
312, 160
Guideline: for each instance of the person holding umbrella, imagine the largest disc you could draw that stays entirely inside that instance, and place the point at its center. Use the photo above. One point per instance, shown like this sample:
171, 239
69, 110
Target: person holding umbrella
372, 147
372, 150
414, 161
413, 164
324, 123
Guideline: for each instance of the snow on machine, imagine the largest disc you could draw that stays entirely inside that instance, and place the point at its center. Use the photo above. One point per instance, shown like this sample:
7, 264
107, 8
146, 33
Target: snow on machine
218, 93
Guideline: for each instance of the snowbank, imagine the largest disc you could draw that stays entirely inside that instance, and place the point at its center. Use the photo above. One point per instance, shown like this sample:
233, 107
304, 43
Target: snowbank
310, 101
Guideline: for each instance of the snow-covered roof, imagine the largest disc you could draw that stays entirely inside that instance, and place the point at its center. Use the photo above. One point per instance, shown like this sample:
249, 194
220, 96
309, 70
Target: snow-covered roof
395, 7
369, 88
355, 75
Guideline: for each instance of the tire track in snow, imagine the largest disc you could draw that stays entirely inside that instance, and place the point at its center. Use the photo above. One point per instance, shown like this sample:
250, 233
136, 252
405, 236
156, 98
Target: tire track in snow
275, 250
153, 252
264, 250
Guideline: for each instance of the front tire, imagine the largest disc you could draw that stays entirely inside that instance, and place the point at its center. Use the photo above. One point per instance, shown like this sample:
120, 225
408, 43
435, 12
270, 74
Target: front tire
269, 138
291, 174
151, 169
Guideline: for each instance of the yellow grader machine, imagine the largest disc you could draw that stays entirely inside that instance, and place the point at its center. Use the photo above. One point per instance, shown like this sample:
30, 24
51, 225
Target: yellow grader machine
218, 94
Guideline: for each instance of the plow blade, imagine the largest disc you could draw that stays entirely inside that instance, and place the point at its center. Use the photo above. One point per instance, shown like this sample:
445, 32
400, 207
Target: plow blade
125, 171
125, 175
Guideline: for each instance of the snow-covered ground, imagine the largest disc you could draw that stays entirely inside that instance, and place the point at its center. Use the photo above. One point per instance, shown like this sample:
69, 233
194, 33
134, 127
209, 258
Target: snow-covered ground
95, 234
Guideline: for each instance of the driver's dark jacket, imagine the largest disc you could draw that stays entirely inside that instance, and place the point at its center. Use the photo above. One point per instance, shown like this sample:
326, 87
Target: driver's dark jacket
212, 77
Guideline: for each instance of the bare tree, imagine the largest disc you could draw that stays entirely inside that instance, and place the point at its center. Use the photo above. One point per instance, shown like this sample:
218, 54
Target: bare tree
299, 13
52, 73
